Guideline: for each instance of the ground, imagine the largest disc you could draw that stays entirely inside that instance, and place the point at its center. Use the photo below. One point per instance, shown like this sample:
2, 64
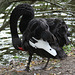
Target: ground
55, 67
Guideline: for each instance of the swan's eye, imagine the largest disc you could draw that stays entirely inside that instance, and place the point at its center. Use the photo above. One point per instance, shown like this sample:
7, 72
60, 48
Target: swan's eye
50, 49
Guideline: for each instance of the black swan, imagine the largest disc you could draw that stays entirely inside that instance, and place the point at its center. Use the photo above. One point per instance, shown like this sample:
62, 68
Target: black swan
38, 39
37, 36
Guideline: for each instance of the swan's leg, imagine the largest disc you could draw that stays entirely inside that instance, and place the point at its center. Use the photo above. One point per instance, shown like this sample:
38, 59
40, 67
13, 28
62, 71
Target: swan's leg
46, 64
28, 64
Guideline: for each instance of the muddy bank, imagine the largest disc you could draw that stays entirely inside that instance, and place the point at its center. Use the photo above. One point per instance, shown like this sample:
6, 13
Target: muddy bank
55, 67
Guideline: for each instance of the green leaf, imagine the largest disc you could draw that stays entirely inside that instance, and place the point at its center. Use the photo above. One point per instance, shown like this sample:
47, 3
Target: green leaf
15, 57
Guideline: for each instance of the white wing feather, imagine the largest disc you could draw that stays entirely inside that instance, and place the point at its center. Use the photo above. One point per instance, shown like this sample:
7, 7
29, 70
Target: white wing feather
41, 44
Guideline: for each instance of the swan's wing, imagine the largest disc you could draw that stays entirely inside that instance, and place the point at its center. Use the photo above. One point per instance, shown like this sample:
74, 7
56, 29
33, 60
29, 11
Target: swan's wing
40, 44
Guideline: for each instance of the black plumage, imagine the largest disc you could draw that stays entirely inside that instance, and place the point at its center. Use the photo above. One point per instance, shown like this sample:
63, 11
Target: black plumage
60, 30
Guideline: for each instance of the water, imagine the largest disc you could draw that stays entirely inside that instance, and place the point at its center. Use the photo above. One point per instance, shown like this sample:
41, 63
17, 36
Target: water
45, 10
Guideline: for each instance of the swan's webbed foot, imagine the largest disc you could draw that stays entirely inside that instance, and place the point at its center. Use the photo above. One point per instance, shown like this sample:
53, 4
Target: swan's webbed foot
27, 69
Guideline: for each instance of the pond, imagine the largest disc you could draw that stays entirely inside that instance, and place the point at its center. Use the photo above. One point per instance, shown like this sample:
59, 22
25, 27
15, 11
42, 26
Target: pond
45, 10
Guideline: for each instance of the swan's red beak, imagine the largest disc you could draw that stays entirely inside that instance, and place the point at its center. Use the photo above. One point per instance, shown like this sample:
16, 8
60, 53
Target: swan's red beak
21, 48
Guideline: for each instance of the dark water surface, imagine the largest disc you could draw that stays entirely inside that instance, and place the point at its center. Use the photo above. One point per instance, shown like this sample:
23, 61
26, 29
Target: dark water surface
45, 10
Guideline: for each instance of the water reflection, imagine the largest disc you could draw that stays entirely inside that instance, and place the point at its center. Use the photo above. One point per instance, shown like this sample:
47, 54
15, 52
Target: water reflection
45, 10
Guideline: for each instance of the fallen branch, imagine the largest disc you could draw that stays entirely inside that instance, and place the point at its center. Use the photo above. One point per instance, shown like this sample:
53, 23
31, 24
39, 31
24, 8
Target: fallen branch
54, 4
4, 25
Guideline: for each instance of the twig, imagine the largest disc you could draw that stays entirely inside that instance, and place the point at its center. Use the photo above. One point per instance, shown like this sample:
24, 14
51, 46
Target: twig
4, 25
54, 4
